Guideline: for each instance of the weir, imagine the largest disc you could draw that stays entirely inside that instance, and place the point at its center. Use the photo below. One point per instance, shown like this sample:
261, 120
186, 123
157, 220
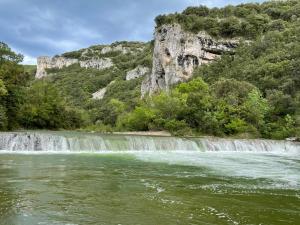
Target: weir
85, 142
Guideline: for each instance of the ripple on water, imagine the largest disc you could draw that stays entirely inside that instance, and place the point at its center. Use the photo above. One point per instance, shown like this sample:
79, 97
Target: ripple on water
275, 171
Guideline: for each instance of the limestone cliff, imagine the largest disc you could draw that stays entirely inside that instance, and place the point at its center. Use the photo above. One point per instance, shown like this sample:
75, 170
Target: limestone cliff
177, 53
45, 62
97, 56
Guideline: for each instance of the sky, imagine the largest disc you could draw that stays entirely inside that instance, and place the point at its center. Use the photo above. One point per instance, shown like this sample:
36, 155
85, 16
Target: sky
49, 27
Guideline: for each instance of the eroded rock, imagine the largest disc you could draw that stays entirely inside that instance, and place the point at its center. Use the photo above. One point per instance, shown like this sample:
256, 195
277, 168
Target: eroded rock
177, 53
59, 62
101, 93
45, 62
99, 64
137, 72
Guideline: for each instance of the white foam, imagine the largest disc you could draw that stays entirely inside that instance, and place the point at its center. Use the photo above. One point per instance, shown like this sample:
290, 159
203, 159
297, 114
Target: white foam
82, 142
280, 170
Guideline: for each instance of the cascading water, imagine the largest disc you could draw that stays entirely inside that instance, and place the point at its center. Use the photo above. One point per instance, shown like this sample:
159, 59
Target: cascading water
83, 142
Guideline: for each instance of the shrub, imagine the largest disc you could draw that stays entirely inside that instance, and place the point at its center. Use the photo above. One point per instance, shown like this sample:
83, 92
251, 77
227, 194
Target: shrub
139, 119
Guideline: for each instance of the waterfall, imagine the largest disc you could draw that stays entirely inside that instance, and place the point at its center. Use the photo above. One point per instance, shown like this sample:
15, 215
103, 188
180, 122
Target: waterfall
84, 142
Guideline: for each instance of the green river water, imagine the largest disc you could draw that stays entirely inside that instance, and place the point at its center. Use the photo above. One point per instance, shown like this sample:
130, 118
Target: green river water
150, 188
71, 178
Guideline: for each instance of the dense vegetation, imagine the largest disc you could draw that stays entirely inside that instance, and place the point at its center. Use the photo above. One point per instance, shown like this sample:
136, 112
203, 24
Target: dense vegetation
245, 20
226, 107
28, 104
254, 93
12, 78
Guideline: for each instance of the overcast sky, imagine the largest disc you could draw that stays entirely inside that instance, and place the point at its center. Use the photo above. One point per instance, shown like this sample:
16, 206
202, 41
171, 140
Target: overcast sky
50, 27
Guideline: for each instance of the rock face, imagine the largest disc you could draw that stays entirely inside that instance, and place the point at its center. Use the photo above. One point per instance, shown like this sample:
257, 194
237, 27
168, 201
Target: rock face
177, 53
101, 93
45, 62
120, 48
99, 64
59, 62
137, 72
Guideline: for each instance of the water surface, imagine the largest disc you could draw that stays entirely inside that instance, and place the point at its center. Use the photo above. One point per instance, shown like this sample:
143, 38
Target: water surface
150, 188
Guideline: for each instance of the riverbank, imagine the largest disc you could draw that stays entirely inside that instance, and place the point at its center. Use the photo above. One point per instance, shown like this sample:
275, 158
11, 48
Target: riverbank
146, 133
154, 134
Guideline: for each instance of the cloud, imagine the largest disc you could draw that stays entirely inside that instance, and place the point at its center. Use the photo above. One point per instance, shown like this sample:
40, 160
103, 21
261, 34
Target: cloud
29, 60
42, 27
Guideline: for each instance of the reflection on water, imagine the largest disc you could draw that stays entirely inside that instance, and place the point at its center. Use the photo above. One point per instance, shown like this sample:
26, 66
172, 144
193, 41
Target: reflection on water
149, 188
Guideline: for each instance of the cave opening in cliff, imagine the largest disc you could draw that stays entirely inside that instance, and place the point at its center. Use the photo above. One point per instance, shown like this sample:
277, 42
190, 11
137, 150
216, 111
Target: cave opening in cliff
188, 60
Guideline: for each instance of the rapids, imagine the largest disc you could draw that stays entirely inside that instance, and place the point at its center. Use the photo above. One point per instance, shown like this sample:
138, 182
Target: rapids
83, 142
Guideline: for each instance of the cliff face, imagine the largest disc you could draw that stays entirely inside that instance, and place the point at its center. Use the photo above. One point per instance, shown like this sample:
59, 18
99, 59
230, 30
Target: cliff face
177, 53
98, 57
46, 62
175, 56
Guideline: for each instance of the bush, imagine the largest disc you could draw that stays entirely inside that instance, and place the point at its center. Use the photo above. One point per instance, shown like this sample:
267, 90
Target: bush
281, 129
137, 120
245, 20
237, 125
198, 11
178, 127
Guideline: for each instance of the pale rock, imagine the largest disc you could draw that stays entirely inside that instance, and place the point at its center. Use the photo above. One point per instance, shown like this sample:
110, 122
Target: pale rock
177, 53
101, 93
146, 85
137, 72
85, 52
99, 64
45, 62
106, 49
120, 48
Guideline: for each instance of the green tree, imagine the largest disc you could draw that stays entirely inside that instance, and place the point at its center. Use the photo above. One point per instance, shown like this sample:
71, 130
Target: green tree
44, 108
12, 81
255, 108
139, 119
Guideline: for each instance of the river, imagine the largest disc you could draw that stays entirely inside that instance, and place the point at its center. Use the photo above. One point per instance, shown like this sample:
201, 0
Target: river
70, 178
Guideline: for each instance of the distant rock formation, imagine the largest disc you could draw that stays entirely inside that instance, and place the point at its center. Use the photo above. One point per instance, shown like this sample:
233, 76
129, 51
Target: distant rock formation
98, 95
99, 64
45, 62
137, 72
177, 53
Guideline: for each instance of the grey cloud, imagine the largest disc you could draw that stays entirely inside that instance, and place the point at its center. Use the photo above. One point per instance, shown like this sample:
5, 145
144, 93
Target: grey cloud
42, 27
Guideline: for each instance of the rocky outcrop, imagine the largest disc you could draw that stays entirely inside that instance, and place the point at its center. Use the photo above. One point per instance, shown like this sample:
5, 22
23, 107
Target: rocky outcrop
45, 62
59, 62
98, 95
137, 72
99, 64
116, 48
177, 53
